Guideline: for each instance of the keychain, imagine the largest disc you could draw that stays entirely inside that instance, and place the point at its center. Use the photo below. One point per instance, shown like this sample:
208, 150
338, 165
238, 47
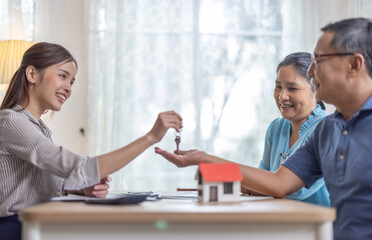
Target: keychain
178, 140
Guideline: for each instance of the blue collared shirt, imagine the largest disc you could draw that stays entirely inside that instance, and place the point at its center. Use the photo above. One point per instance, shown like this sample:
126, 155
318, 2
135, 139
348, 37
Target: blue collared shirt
341, 152
277, 150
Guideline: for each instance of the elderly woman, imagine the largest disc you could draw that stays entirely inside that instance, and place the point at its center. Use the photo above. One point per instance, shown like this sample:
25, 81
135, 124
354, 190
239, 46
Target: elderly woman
294, 97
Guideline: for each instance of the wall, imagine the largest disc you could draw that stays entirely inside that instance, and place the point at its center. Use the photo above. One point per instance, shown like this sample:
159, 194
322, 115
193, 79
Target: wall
63, 23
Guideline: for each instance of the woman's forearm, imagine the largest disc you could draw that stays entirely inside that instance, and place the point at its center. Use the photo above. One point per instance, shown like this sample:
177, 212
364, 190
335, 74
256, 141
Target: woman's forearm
113, 161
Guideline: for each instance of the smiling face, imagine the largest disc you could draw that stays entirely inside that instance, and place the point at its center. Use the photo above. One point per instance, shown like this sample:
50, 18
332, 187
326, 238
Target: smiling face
329, 74
50, 88
293, 95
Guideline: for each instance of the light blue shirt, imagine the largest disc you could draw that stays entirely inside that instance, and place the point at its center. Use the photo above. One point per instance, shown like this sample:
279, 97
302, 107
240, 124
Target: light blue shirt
341, 152
277, 150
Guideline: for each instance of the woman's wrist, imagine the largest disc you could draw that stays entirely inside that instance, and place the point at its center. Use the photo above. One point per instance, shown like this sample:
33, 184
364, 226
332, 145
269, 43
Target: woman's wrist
150, 139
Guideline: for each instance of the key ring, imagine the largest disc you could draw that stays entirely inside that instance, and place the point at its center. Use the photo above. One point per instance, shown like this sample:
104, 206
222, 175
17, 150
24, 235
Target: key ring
178, 134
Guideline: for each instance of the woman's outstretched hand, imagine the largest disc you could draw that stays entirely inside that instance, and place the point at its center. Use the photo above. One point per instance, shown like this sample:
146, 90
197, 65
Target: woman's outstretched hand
99, 190
165, 121
184, 158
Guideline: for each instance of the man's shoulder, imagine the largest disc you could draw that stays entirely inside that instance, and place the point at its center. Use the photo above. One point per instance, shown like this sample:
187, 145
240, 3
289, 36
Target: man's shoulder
326, 119
325, 122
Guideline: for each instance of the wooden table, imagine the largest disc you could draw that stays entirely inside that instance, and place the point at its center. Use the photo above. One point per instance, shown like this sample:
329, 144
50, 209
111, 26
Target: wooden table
179, 219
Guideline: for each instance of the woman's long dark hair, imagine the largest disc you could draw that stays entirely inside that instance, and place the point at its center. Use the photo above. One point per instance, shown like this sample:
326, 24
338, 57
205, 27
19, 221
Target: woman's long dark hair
40, 56
301, 61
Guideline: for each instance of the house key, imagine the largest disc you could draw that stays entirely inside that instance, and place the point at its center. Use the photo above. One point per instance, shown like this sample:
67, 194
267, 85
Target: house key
178, 140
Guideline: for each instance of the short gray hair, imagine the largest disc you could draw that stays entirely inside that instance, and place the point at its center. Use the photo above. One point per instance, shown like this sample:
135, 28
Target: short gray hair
353, 35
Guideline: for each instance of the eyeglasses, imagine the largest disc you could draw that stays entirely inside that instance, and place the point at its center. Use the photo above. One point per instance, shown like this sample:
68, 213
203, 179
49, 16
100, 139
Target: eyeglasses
316, 57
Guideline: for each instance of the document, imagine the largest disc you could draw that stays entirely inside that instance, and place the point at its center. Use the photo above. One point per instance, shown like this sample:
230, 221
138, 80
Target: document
82, 198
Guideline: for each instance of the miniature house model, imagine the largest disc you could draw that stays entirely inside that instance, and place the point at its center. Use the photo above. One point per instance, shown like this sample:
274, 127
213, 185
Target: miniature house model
219, 182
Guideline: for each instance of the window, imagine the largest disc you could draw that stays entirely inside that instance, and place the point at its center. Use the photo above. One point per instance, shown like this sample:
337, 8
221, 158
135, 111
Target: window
212, 61
228, 188
17, 20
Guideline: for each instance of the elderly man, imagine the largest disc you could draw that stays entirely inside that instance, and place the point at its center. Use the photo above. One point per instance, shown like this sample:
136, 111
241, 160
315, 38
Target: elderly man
340, 147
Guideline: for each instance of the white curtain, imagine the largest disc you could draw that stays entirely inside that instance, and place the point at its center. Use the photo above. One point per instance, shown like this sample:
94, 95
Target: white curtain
303, 19
17, 19
213, 61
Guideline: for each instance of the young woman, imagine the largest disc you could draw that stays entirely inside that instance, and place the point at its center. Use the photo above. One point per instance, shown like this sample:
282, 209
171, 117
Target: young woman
34, 169
294, 97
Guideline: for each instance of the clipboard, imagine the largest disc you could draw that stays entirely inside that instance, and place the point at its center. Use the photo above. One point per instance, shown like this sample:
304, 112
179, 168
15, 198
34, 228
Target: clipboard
125, 199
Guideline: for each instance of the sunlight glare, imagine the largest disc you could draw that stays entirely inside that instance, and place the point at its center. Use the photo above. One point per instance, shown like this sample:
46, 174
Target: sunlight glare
212, 17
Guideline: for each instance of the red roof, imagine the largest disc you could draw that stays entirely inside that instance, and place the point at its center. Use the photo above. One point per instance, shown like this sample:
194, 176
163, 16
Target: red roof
220, 172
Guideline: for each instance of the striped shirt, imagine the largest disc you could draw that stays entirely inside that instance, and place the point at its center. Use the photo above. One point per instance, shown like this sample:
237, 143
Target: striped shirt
32, 167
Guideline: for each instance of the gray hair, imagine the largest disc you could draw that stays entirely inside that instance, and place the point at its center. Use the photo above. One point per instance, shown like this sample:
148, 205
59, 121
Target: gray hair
301, 62
353, 35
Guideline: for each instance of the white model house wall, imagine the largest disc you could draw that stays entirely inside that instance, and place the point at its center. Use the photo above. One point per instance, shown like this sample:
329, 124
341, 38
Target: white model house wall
221, 197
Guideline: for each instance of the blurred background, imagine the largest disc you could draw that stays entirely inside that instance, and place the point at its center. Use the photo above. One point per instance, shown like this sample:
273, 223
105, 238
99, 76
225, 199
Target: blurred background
212, 61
